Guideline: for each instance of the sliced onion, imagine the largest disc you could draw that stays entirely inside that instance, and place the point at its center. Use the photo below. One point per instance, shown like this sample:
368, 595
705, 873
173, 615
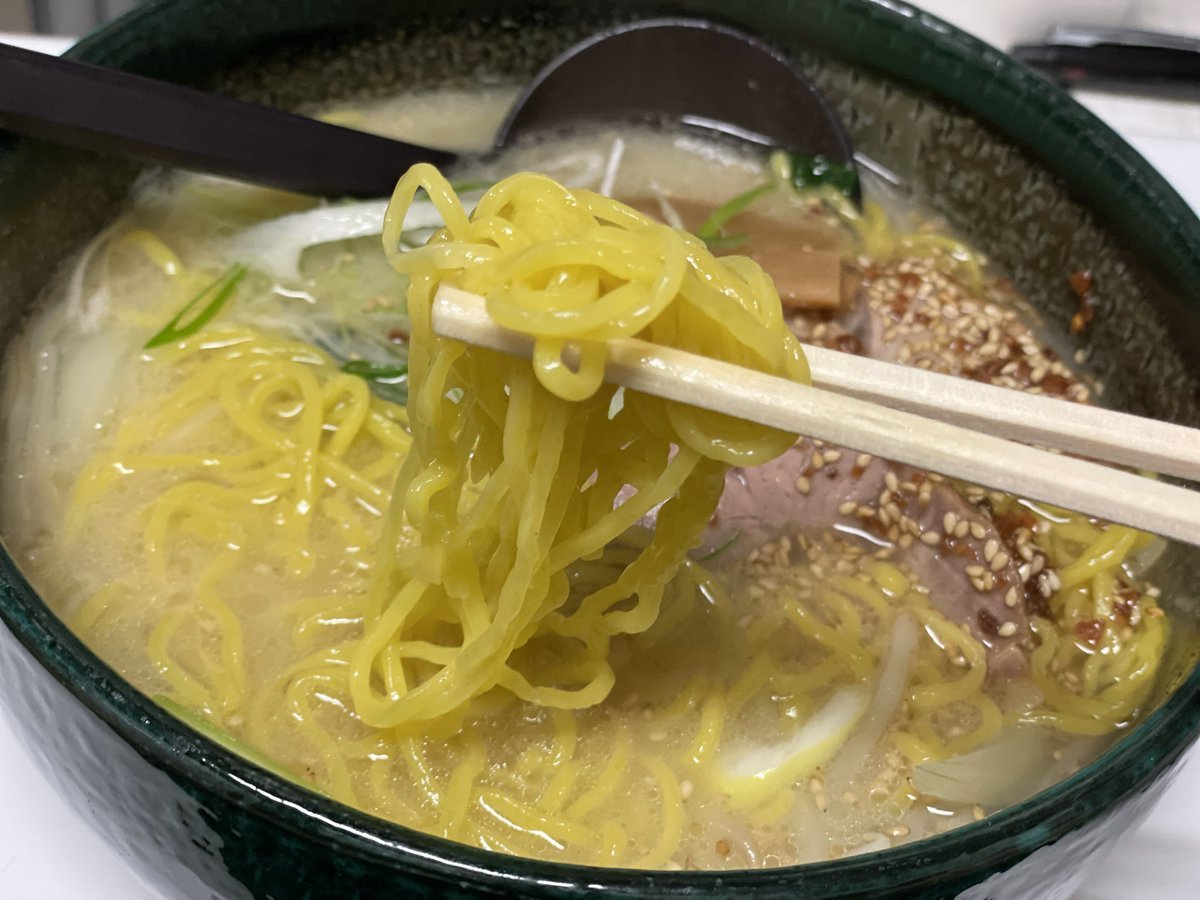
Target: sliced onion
1000, 773
753, 773
889, 691
275, 246
873, 842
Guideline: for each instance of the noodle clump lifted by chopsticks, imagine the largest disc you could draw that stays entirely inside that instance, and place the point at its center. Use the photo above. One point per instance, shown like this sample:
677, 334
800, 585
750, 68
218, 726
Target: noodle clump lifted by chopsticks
520, 476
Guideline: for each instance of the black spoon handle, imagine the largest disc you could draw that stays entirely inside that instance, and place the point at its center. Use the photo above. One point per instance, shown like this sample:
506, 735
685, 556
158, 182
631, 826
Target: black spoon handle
109, 111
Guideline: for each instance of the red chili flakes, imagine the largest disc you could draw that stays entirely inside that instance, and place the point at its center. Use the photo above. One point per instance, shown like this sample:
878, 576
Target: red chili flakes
1010, 524
988, 371
1035, 603
1013, 519
953, 546
987, 623
1082, 283
1089, 631
723, 849
1056, 385
1126, 602
848, 343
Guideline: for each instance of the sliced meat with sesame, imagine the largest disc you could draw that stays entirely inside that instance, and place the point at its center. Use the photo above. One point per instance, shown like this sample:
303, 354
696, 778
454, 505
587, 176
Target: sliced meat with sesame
952, 546
915, 313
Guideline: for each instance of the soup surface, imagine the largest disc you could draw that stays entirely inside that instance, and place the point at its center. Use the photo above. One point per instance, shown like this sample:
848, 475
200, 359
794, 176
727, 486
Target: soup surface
858, 654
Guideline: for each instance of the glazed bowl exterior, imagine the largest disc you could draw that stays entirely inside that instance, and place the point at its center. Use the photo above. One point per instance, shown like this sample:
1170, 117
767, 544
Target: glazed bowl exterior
1011, 162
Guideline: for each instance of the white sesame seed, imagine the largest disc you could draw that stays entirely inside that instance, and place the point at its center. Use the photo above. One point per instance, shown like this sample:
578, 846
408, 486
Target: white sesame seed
978, 531
802, 485
1011, 598
892, 482
846, 508
975, 571
1008, 629
832, 456
999, 561
990, 548
931, 538
864, 460
960, 530
818, 460
949, 520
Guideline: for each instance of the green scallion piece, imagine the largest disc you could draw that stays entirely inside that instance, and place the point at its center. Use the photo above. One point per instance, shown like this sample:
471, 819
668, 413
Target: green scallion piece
727, 241
374, 371
717, 551
711, 229
210, 301
811, 172
463, 187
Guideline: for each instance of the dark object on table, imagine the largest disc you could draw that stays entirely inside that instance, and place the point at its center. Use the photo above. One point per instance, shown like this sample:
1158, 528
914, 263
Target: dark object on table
1117, 58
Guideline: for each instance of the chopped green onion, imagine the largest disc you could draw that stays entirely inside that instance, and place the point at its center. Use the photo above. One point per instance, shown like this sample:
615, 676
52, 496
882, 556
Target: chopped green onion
711, 229
199, 723
713, 554
389, 381
727, 241
806, 173
463, 187
374, 371
213, 297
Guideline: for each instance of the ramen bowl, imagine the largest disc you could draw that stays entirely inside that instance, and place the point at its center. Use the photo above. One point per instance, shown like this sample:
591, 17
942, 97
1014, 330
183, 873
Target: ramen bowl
1010, 161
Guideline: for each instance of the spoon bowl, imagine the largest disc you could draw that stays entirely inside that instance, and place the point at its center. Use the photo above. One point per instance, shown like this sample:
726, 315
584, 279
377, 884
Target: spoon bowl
686, 72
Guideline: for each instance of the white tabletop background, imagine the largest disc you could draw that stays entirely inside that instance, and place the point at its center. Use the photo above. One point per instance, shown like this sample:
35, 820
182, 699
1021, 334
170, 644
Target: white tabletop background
46, 853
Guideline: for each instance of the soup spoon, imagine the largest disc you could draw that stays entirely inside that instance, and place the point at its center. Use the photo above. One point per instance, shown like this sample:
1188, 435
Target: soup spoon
684, 71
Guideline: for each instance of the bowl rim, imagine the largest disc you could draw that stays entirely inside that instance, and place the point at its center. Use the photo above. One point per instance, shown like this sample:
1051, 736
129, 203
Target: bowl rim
1027, 109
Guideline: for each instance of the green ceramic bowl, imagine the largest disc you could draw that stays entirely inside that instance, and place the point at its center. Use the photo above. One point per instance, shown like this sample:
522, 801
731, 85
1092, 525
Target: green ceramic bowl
1010, 160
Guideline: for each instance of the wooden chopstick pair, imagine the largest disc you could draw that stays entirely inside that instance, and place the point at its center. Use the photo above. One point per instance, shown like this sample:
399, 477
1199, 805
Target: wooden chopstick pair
940, 423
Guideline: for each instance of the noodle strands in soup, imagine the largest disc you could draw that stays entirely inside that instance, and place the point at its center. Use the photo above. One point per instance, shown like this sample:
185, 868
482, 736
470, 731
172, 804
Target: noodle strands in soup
517, 475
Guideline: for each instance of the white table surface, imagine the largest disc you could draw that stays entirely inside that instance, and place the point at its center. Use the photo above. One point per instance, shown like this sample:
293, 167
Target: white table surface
47, 853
